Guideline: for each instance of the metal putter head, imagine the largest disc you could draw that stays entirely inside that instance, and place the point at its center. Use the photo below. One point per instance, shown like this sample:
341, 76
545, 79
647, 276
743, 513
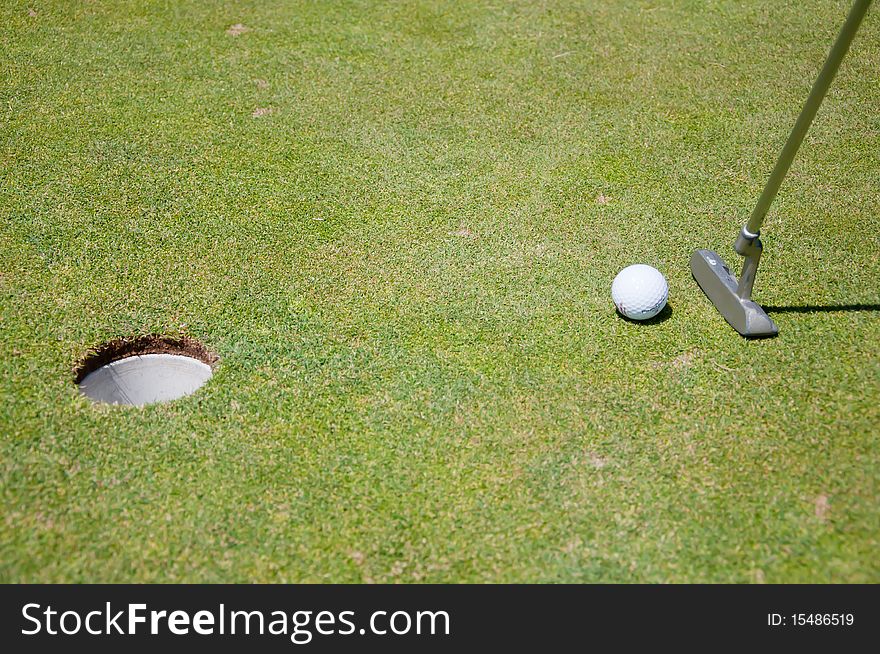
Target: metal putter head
722, 289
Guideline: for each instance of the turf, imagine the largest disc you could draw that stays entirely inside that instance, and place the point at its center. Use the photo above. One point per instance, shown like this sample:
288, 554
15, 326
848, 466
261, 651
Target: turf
397, 225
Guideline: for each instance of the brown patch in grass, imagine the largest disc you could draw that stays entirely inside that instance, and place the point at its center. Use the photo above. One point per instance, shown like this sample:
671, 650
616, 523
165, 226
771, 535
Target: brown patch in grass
123, 348
358, 558
397, 568
823, 506
597, 461
463, 232
237, 30
259, 112
261, 83
682, 362
32, 12
603, 199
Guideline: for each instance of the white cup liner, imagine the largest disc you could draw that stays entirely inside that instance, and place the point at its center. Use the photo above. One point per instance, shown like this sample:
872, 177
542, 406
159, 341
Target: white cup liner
145, 379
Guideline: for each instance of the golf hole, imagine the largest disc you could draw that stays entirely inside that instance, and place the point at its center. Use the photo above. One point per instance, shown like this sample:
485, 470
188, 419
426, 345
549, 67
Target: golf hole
144, 370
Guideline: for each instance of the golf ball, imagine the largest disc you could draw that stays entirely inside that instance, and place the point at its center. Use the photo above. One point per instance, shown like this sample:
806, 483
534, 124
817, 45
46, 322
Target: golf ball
639, 292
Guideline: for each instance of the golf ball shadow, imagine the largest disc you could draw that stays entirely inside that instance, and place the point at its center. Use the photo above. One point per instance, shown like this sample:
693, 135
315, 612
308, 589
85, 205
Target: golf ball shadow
664, 315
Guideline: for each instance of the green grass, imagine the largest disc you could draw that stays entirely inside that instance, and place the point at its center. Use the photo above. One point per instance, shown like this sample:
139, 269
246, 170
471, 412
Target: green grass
406, 273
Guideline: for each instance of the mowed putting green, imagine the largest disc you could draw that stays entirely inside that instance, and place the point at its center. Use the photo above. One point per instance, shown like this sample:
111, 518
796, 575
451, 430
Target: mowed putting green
396, 225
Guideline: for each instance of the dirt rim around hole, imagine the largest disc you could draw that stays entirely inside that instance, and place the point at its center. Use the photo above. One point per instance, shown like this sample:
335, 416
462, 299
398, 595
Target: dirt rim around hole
126, 347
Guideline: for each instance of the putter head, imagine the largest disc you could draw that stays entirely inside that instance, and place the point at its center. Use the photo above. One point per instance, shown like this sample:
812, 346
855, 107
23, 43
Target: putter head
719, 285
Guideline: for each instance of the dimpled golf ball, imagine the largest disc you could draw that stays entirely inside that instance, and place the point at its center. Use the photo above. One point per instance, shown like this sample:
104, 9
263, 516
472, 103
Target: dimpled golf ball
639, 292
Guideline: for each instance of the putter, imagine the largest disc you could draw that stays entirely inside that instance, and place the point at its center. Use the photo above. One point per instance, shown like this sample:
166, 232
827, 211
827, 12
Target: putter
734, 298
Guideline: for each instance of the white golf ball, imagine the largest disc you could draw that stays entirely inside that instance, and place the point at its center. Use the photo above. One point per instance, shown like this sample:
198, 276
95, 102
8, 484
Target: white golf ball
639, 292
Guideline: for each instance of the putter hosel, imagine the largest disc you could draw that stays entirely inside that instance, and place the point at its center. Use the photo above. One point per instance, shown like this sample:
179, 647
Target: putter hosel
749, 246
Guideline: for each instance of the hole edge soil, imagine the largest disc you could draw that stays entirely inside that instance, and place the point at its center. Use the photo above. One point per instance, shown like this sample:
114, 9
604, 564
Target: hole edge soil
126, 347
